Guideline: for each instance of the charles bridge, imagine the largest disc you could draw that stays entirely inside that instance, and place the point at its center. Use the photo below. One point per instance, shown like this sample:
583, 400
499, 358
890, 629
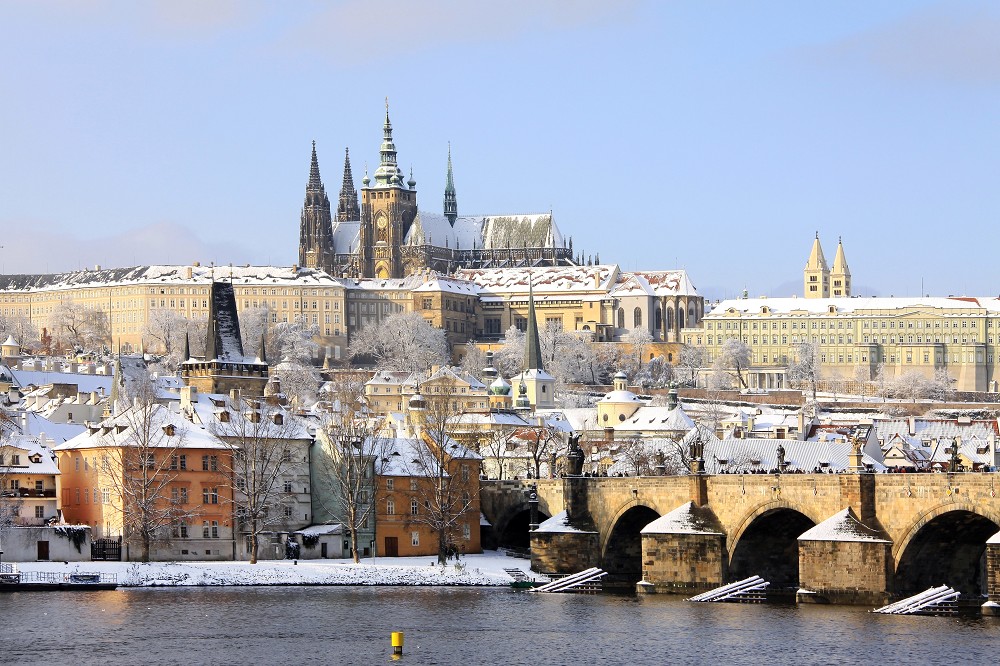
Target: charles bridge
839, 538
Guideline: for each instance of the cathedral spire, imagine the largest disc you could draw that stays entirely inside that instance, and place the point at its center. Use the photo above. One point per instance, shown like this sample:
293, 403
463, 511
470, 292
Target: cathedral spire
532, 344
817, 273
348, 208
840, 274
388, 172
315, 182
450, 202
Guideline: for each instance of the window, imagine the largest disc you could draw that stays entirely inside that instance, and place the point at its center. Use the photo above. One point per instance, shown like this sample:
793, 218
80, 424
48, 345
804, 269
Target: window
288, 486
210, 495
414, 538
390, 507
288, 512
414, 507
106, 496
466, 531
215, 529
204, 530
413, 484
389, 484
39, 512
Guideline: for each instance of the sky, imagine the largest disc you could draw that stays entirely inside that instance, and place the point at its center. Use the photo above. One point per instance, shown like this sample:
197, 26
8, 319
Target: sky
717, 137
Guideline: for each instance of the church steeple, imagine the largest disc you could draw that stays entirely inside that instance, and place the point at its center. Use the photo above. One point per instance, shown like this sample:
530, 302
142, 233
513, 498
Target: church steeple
450, 202
816, 275
840, 274
348, 208
315, 227
388, 172
532, 344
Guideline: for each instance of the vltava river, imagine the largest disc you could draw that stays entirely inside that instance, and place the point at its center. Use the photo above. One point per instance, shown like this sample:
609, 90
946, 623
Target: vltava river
347, 625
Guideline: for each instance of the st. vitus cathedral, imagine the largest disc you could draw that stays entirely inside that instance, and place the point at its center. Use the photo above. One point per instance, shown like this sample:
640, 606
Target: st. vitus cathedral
386, 236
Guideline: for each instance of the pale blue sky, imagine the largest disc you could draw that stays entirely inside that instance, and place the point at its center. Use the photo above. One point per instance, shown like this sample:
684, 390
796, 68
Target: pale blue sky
712, 136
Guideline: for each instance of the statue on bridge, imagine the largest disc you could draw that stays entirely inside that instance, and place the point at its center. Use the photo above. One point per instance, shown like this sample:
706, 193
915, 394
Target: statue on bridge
574, 459
782, 463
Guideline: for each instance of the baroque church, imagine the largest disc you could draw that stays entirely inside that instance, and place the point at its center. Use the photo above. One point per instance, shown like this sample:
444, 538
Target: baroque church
384, 235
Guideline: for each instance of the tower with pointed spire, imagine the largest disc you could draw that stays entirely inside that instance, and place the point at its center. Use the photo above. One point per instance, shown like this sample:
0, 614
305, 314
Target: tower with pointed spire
539, 385
450, 201
348, 208
316, 227
840, 274
816, 275
388, 207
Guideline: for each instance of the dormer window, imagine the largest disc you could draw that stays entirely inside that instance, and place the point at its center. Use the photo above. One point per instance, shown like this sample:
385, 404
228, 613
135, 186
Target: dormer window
169, 429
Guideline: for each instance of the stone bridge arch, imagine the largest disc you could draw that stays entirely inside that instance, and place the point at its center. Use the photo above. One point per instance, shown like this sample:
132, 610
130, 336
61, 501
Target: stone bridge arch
621, 544
511, 528
765, 543
945, 545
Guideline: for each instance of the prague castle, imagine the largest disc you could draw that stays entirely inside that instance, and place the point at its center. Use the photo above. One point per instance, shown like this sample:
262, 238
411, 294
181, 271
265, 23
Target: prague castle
384, 235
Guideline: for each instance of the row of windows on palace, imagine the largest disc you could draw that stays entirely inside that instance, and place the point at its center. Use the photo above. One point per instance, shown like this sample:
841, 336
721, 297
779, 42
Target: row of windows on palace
844, 339
740, 324
890, 357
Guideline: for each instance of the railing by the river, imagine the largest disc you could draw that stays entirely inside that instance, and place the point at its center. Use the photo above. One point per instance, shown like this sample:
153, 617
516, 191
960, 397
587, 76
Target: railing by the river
58, 578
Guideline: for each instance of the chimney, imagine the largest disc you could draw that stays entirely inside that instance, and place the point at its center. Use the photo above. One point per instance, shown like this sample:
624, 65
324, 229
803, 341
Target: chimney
73, 367
188, 272
912, 425
234, 395
189, 396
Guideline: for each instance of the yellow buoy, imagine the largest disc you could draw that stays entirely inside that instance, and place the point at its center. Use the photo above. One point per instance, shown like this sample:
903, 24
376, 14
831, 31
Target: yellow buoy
397, 642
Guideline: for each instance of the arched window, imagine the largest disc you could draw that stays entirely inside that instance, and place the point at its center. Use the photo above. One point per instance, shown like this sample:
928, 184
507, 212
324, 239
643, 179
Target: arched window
390, 507
670, 319
693, 318
621, 317
658, 318
680, 319
636, 318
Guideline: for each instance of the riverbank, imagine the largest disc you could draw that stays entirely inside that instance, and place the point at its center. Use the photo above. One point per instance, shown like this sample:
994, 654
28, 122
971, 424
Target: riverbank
486, 569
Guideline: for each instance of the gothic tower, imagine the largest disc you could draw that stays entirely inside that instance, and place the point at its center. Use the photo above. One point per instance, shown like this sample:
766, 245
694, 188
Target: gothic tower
450, 202
816, 274
316, 226
840, 274
347, 207
388, 208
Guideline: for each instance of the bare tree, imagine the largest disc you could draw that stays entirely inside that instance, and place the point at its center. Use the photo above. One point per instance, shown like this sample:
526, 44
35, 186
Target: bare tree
690, 360
25, 333
141, 447
10, 497
448, 477
734, 357
496, 444
299, 382
403, 341
474, 359
540, 442
633, 351
807, 368
77, 326
260, 438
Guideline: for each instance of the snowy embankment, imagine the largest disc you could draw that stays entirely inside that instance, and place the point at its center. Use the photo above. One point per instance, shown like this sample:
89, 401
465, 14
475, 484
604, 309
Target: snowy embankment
485, 570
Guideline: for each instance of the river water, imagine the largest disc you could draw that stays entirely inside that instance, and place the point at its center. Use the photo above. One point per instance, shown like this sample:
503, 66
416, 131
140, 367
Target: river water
350, 625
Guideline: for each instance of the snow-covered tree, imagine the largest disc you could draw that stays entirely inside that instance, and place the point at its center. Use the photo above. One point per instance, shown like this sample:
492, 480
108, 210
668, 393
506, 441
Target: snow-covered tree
633, 351
509, 360
474, 359
25, 332
142, 448
734, 357
259, 437
299, 382
691, 359
807, 369
78, 327
403, 341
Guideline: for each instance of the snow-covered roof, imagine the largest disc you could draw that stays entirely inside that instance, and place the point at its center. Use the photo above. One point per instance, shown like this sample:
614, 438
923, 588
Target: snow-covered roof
854, 305
207, 411
320, 530
622, 396
559, 523
744, 454
842, 526
346, 236
85, 383
544, 279
685, 519
35, 456
37, 425
121, 430
657, 418
654, 283
167, 274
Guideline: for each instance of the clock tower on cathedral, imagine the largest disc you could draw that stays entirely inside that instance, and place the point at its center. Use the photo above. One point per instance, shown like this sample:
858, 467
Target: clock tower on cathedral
388, 207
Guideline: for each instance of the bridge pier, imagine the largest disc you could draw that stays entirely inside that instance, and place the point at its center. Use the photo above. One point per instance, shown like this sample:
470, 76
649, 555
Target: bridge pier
567, 542
992, 605
842, 561
683, 552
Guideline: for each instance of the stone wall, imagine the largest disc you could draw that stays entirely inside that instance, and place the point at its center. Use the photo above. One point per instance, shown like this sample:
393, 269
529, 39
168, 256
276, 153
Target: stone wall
683, 563
20, 544
846, 572
564, 552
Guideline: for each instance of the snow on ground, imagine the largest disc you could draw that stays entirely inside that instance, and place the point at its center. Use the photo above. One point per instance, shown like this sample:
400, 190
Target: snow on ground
486, 569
